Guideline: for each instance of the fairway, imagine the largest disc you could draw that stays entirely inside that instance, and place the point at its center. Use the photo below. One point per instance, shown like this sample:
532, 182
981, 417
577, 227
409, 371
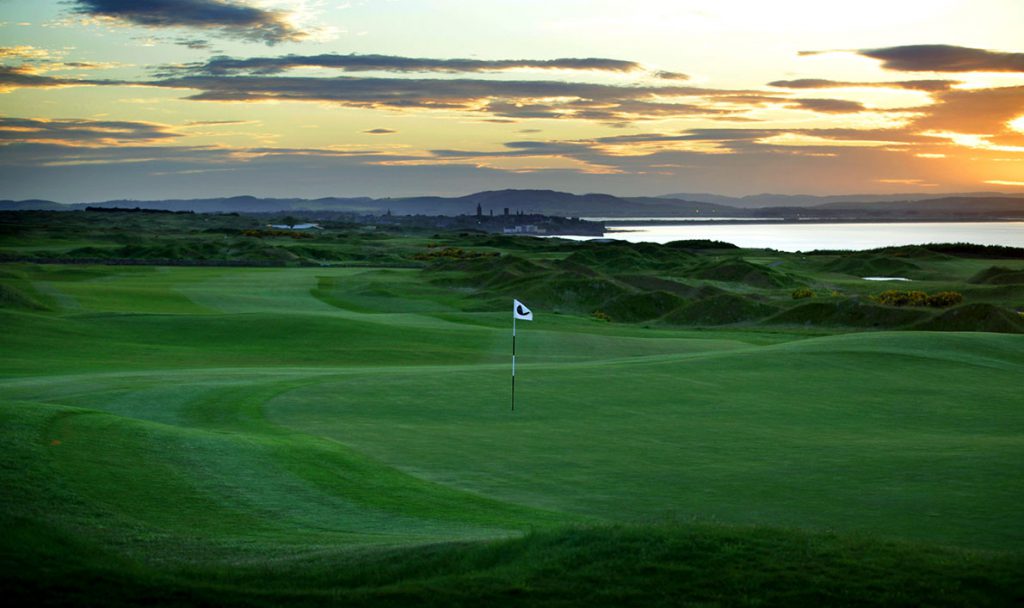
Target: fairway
212, 418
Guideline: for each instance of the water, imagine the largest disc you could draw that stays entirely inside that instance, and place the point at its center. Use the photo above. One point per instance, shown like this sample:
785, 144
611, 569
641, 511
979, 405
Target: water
808, 237
689, 219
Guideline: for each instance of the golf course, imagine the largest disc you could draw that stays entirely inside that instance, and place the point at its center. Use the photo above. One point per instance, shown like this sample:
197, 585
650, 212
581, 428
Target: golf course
200, 411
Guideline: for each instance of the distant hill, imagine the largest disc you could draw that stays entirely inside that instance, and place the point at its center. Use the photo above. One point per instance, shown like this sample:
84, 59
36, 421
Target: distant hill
31, 205
806, 200
948, 208
951, 204
546, 202
554, 203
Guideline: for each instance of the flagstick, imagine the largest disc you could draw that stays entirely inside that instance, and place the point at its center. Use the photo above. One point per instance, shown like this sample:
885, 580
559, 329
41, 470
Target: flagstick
513, 363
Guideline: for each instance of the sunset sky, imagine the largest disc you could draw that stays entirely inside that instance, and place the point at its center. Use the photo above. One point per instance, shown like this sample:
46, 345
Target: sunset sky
108, 99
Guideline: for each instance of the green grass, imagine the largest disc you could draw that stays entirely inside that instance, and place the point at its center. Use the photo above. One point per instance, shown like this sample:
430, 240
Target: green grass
602, 566
275, 436
907, 435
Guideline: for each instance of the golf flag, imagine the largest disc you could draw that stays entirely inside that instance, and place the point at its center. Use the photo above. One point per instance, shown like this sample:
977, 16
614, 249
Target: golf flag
519, 311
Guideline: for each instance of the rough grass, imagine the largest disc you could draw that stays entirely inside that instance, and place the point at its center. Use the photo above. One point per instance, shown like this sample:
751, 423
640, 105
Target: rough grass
19, 298
976, 317
648, 566
873, 265
742, 271
720, 309
998, 275
626, 257
849, 313
641, 306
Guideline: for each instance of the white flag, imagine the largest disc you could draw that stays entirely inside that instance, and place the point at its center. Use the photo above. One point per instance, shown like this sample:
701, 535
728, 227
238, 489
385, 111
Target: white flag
520, 311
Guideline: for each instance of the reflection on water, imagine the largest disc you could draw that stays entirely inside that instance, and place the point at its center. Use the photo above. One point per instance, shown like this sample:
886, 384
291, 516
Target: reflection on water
808, 237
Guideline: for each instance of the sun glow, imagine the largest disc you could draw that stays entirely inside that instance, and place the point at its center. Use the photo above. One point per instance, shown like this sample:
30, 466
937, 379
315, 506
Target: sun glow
972, 140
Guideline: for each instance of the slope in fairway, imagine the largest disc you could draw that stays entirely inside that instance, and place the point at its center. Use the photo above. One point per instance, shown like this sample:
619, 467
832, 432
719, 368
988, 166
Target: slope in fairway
916, 435
266, 420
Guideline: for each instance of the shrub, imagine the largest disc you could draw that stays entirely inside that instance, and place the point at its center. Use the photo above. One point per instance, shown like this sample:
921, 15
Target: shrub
941, 299
802, 293
454, 253
601, 316
275, 233
896, 297
945, 299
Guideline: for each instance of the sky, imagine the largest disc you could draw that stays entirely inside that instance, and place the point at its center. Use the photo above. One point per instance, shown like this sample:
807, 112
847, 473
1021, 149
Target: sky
135, 99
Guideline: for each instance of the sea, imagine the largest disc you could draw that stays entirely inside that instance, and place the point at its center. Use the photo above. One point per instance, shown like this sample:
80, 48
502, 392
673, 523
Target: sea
813, 236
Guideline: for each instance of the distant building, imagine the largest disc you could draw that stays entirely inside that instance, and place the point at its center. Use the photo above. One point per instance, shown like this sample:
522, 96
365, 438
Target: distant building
524, 229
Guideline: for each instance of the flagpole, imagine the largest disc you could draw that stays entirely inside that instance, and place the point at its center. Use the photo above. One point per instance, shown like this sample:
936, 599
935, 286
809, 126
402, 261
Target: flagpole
513, 362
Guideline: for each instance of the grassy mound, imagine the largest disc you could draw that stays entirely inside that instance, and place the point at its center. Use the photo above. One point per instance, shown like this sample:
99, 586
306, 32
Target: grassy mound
976, 317
564, 292
646, 282
641, 306
17, 292
848, 313
608, 566
562, 287
872, 265
18, 299
742, 271
491, 277
630, 257
998, 275
721, 309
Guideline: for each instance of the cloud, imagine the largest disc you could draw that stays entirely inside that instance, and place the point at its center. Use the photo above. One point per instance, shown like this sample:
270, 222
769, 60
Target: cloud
218, 123
25, 52
828, 106
17, 77
767, 158
973, 111
75, 173
517, 99
197, 44
819, 83
392, 63
151, 172
75, 132
641, 153
380, 131
671, 76
945, 58
232, 19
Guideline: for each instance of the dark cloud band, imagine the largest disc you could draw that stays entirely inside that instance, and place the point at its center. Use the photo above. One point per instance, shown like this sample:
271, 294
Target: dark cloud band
233, 19
819, 83
829, 106
17, 77
945, 58
503, 98
81, 131
389, 63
